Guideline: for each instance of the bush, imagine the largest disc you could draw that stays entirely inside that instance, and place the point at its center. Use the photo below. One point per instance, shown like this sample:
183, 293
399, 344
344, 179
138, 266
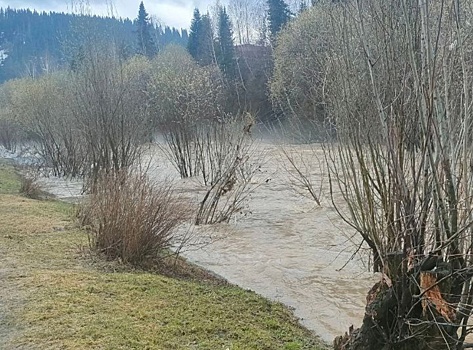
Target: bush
131, 220
184, 99
229, 161
30, 188
9, 134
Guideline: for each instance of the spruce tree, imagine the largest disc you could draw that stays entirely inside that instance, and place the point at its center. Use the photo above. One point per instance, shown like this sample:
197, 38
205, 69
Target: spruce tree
146, 44
278, 15
195, 29
200, 44
225, 50
206, 42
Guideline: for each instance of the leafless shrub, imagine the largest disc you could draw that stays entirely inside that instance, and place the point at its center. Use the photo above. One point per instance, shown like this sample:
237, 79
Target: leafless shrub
397, 81
132, 220
305, 171
61, 145
230, 178
10, 133
219, 142
39, 105
110, 110
185, 98
404, 137
30, 187
224, 197
180, 150
91, 118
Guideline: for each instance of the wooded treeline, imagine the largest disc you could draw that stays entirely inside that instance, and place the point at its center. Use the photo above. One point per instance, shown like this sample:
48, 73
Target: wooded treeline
238, 39
33, 43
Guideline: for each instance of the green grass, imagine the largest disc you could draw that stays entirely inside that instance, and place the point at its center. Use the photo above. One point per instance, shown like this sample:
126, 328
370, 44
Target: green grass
63, 300
9, 179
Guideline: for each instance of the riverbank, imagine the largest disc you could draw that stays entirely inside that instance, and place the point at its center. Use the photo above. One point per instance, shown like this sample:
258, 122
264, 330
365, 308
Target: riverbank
281, 245
54, 295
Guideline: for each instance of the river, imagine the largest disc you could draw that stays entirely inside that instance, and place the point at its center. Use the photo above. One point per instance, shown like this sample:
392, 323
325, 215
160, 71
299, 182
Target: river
282, 245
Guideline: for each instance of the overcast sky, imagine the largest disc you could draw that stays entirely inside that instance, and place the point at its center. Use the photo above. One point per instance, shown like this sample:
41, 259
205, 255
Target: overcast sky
175, 13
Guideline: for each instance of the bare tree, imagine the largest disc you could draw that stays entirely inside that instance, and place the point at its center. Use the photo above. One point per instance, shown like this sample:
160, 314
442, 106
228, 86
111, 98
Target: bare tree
185, 97
110, 109
248, 18
240, 12
401, 93
80, 7
395, 78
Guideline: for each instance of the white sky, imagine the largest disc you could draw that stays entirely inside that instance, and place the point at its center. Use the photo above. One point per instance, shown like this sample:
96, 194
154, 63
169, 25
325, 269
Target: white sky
174, 13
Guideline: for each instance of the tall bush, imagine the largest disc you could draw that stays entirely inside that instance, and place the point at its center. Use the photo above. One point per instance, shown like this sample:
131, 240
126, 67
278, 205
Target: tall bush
109, 107
43, 107
185, 98
131, 219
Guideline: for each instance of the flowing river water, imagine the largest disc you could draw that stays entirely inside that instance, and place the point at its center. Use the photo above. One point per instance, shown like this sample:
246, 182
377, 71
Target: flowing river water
282, 245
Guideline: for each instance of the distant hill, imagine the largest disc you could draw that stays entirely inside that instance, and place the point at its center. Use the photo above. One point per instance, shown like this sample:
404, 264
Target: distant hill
32, 42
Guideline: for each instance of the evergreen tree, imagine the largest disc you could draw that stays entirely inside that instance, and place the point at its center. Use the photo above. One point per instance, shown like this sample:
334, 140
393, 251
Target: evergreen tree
278, 15
193, 42
200, 44
224, 45
206, 42
44, 41
184, 36
146, 44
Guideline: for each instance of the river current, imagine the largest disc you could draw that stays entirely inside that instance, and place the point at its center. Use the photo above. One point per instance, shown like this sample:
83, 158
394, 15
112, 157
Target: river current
282, 245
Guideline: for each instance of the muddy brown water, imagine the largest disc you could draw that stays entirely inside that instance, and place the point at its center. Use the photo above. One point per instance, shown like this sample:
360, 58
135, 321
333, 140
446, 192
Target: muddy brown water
282, 245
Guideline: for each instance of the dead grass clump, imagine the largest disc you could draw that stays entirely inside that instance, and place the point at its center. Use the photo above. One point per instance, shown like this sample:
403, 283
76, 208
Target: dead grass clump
131, 220
30, 187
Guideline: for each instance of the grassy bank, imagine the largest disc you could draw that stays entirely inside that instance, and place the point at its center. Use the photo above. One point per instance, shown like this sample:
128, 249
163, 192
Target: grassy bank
53, 296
